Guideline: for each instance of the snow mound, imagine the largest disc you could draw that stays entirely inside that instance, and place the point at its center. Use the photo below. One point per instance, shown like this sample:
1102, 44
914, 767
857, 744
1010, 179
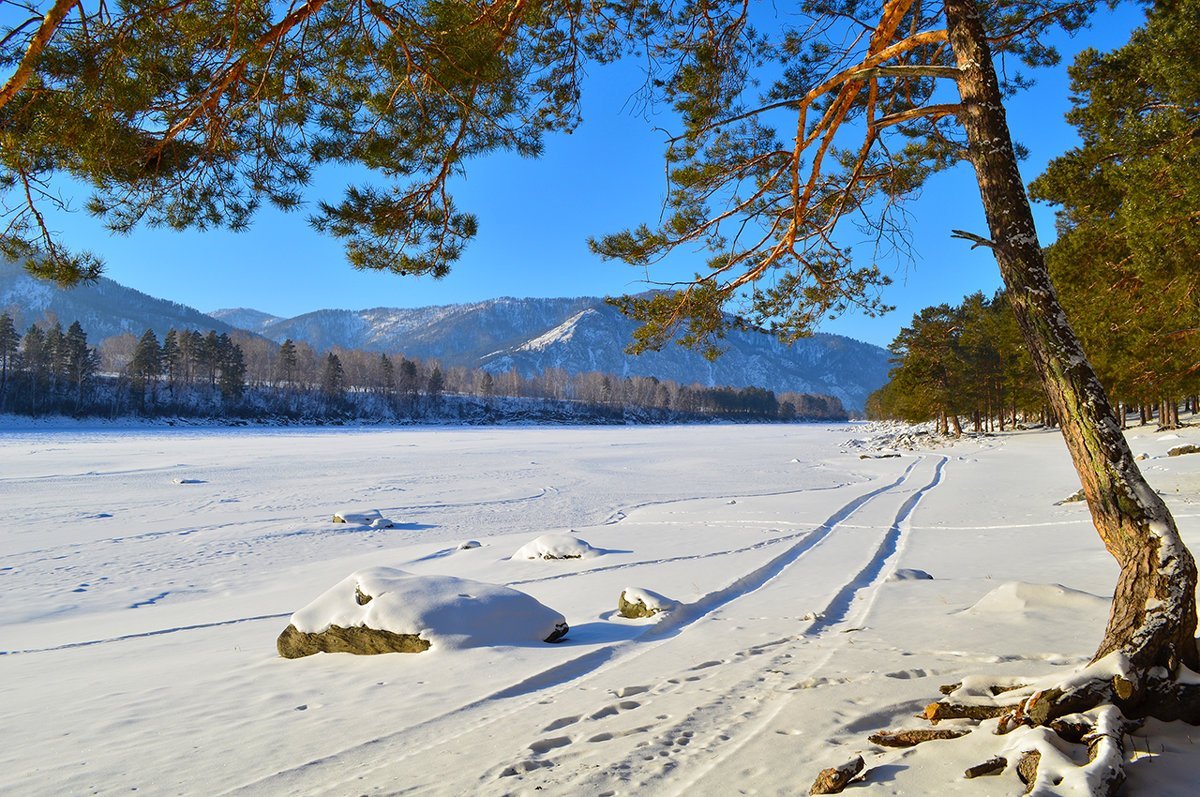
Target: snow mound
450, 613
909, 574
467, 545
363, 518
382, 523
556, 546
1018, 597
187, 481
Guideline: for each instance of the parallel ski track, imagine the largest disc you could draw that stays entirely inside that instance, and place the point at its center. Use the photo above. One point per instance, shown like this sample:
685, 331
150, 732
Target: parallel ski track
734, 725
393, 748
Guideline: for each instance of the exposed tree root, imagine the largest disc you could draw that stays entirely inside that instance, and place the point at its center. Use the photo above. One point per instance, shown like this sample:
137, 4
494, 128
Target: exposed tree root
993, 766
914, 736
834, 779
1049, 722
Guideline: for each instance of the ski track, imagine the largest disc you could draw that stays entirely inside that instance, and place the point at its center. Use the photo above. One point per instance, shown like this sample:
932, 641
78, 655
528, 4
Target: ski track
364, 758
713, 731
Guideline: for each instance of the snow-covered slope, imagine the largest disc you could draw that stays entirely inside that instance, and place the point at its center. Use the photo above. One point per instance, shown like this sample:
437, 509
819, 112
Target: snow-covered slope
584, 334
103, 309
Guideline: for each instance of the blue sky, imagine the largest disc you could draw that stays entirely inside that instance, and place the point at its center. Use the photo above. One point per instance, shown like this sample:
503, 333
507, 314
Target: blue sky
535, 218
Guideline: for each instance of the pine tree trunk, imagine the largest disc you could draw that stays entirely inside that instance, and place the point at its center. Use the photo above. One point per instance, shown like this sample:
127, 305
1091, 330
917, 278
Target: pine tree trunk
1153, 616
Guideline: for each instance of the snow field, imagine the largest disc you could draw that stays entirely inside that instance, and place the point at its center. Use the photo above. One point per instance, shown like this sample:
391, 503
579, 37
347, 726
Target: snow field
790, 645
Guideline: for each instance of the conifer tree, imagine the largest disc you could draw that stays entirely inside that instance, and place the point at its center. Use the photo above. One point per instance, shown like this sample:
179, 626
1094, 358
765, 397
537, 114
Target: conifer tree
387, 376
285, 369
10, 341
333, 377
146, 367
172, 357
232, 365
35, 364
81, 361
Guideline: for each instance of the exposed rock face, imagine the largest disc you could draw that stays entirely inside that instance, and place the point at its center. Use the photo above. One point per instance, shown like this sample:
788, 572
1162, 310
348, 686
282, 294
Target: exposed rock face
293, 644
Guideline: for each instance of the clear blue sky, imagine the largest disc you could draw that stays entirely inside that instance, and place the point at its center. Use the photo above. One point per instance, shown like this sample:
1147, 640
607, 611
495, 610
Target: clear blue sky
535, 217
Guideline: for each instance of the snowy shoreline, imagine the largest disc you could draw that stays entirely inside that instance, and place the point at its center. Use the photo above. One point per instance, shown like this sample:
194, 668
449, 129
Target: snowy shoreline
146, 574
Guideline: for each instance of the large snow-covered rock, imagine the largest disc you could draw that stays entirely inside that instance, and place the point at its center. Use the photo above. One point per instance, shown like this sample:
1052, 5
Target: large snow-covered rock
556, 546
382, 610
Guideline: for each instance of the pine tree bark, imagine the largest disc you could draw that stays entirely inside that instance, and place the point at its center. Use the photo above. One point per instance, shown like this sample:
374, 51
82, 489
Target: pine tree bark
1153, 616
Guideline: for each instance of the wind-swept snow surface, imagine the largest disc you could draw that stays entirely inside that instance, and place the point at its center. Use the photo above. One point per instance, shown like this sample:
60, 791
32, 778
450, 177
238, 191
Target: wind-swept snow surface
138, 619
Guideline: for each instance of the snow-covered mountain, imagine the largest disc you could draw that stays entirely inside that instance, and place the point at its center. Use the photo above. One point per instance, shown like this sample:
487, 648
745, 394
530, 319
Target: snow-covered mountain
103, 309
577, 335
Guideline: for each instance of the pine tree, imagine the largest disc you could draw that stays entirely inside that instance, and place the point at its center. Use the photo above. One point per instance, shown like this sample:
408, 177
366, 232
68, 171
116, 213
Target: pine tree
232, 364
10, 341
145, 368
387, 376
333, 378
81, 362
173, 365
285, 368
35, 364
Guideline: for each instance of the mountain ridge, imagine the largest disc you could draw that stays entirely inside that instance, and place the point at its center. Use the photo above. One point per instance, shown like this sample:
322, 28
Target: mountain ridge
531, 335
579, 334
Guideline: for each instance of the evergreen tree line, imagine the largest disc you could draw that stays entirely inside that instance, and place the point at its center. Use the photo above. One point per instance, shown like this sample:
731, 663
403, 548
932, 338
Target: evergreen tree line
969, 364
193, 374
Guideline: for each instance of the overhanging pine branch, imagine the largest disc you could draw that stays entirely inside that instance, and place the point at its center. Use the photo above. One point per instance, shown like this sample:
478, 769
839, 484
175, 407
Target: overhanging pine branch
908, 71
929, 111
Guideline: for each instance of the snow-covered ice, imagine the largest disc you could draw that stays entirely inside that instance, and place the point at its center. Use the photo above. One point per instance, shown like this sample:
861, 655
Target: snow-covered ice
138, 619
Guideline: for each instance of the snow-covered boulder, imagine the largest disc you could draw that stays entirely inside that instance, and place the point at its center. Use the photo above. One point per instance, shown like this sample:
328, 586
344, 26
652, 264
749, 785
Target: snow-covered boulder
467, 545
909, 574
384, 610
635, 603
1186, 448
555, 546
363, 518
382, 523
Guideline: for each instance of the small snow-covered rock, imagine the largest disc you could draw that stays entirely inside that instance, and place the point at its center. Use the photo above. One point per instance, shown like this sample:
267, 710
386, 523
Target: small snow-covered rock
383, 610
178, 480
1142, 457
1187, 448
555, 546
635, 603
382, 523
364, 518
909, 574
468, 545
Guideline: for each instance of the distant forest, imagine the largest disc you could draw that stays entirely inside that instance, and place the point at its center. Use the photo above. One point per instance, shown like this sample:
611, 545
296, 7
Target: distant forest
48, 370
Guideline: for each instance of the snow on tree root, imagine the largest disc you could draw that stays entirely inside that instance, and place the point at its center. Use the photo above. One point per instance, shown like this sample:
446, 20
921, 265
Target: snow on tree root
556, 546
1095, 707
397, 611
